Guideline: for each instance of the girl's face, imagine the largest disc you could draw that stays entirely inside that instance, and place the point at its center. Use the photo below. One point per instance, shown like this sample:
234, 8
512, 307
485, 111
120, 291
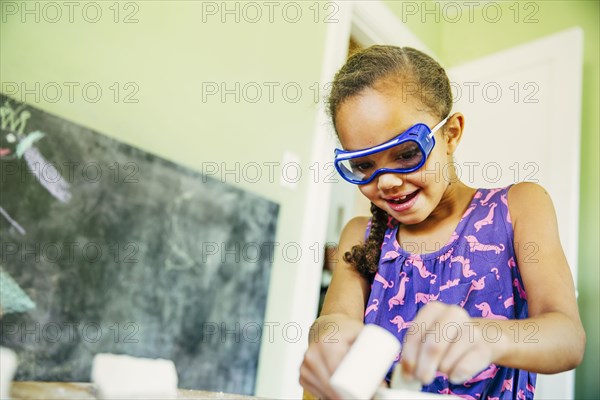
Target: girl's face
371, 118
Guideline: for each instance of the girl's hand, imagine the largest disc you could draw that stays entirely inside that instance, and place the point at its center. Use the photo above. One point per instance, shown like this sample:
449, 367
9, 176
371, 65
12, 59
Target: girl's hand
445, 338
330, 340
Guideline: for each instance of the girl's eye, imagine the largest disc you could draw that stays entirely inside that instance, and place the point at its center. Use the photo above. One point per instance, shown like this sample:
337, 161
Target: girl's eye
362, 166
408, 154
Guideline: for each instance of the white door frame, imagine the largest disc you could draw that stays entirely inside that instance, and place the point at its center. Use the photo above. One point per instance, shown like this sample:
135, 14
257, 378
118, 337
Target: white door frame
370, 22
374, 23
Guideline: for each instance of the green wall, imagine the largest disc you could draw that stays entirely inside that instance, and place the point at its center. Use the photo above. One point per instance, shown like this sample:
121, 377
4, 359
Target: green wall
167, 55
458, 38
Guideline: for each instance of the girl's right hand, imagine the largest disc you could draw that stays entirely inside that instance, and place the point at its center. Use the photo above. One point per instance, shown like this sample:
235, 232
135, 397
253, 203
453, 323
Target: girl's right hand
330, 340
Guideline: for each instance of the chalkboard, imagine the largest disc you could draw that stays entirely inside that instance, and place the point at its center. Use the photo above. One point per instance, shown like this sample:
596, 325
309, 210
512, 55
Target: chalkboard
127, 253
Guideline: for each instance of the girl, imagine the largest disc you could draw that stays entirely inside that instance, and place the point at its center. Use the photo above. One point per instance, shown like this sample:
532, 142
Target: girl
473, 281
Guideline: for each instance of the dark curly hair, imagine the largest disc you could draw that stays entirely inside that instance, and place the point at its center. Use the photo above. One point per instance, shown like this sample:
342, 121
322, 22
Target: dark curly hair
407, 68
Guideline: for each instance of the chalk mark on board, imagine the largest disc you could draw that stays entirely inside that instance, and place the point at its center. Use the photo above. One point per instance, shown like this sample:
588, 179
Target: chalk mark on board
15, 144
8, 116
178, 258
58, 188
12, 221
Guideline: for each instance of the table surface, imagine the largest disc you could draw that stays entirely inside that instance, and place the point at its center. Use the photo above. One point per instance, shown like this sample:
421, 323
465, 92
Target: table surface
85, 391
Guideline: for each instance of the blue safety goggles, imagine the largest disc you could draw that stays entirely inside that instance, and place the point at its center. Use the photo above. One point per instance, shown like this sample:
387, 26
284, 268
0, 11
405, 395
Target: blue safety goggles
410, 150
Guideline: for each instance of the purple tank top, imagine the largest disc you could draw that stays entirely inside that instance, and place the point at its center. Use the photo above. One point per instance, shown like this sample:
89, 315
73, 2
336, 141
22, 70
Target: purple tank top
477, 270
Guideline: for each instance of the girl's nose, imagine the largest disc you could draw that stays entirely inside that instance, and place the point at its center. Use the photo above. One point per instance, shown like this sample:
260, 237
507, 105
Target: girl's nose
389, 181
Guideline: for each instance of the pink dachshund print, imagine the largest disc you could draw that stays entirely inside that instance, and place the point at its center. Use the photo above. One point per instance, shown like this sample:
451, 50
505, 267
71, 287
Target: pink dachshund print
462, 395
507, 385
386, 284
425, 297
391, 222
476, 284
449, 284
469, 210
400, 323
398, 299
389, 255
511, 262
496, 272
488, 373
488, 220
453, 237
476, 246
486, 311
520, 289
466, 266
489, 196
509, 302
372, 307
417, 262
446, 255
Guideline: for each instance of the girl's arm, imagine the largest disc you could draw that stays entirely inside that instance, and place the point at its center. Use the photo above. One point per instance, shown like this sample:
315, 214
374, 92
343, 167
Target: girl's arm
341, 319
552, 338
556, 339
349, 291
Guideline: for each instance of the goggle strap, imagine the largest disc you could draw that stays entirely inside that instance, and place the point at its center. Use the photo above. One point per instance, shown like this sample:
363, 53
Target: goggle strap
438, 126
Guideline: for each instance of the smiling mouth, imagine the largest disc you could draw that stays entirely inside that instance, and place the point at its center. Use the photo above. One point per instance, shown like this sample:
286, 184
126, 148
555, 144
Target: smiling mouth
403, 199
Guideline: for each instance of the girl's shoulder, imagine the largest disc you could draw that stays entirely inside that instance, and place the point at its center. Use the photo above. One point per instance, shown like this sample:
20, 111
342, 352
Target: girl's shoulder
355, 229
521, 189
527, 198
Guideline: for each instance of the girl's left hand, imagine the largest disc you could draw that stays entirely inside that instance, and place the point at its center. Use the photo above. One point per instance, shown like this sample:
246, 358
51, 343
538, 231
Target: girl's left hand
445, 338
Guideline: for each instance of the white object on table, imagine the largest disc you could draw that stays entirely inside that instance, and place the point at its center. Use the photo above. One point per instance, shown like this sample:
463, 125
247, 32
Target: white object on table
126, 377
8, 366
400, 394
364, 367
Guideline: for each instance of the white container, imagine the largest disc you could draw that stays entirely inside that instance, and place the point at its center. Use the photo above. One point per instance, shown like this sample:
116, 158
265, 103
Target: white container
364, 368
399, 394
126, 377
8, 366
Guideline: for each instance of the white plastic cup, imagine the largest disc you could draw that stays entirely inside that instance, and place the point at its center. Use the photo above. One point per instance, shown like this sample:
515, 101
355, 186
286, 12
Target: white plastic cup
8, 367
364, 367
